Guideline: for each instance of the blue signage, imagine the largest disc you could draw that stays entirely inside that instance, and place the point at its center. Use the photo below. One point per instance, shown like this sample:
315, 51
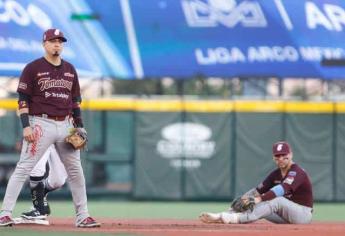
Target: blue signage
88, 48
283, 38
181, 38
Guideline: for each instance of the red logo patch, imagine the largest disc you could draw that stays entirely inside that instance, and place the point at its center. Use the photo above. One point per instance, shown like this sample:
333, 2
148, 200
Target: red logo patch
38, 133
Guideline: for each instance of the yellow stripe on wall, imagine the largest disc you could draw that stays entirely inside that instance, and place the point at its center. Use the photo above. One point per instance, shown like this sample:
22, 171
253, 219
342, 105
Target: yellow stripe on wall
340, 107
259, 106
108, 104
9, 104
309, 107
159, 105
148, 105
209, 106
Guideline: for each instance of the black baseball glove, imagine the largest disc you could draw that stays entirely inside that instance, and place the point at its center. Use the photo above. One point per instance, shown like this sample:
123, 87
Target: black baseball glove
241, 204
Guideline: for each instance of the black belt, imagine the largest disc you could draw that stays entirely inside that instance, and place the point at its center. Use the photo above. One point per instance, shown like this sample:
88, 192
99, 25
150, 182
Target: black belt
56, 118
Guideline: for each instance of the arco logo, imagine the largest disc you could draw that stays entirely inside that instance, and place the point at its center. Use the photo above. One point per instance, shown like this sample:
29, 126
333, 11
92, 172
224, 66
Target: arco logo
13, 11
229, 13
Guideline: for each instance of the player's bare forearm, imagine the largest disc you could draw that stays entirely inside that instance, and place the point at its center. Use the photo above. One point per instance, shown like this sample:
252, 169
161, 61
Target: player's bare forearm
23, 110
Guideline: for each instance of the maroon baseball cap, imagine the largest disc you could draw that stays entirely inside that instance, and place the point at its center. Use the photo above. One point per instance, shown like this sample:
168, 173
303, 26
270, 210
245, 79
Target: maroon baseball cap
53, 34
281, 148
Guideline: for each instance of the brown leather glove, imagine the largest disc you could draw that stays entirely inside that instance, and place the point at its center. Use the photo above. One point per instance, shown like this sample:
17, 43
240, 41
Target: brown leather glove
77, 138
241, 204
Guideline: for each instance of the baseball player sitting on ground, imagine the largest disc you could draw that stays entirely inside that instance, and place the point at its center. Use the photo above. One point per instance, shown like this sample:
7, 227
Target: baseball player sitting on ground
284, 197
48, 175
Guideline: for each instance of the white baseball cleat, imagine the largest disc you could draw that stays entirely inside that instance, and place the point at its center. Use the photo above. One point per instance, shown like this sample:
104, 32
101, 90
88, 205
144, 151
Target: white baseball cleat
229, 218
208, 217
22, 220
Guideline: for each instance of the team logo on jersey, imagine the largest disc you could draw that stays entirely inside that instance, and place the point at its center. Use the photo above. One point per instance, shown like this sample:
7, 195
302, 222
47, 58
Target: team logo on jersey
56, 95
46, 83
23, 104
38, 133
23, 85
67, 74
47, 95
289, 180
292, 173
39, 74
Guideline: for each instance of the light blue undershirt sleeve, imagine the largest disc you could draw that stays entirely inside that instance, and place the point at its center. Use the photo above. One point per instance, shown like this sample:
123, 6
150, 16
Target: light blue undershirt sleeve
278, 190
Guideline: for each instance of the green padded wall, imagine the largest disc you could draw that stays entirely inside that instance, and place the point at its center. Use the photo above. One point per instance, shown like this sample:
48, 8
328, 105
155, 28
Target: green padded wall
211, 180
311, 138
340, 158
119, 135
255, 134
154, 175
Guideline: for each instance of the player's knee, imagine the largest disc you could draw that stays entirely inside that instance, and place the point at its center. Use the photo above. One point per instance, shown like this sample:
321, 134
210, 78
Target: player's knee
275, 203
56, 184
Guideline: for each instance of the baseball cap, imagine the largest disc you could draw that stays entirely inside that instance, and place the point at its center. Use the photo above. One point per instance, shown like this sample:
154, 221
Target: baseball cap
53, 34
281, 148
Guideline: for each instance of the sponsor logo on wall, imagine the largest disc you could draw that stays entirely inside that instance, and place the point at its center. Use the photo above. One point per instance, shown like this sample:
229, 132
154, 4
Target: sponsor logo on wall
186, 144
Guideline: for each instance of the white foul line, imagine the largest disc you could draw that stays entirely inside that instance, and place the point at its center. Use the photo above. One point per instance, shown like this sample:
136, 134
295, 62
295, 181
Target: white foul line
132, 40
284, 14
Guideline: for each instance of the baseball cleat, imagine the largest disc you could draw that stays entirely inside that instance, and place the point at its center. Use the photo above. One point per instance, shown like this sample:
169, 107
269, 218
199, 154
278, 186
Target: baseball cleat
22, 220
46, 206
88, 222
208, 217
229, 218
6, 221
34, 214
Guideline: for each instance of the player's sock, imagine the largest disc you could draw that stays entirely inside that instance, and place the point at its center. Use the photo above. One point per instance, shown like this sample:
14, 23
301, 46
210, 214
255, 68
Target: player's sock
47, 187
37, 193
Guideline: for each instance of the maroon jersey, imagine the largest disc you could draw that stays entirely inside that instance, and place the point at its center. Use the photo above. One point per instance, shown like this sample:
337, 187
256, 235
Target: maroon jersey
50, 88
296, 184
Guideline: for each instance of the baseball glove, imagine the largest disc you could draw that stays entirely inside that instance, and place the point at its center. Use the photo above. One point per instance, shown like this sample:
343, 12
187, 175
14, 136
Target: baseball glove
77, 138
241, 204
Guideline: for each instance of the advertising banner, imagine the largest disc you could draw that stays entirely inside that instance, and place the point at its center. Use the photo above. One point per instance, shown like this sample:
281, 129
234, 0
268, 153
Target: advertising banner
176, 159
283, 38
88, 46
181, 38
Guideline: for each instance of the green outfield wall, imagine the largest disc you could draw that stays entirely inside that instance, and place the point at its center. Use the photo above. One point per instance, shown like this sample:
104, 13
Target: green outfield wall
194, 149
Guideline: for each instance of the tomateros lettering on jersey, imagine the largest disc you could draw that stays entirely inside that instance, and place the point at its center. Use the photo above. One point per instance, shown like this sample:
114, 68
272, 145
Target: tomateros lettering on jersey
50, 93
46, 83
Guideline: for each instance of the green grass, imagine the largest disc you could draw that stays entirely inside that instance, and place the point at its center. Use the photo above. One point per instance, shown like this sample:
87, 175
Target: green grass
174, 210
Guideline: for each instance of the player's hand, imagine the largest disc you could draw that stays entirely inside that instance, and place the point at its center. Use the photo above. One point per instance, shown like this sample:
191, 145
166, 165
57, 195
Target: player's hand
247, 199
28, 134
257, 199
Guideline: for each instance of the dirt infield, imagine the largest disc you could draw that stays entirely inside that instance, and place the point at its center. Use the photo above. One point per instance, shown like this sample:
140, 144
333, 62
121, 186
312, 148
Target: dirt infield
194, 227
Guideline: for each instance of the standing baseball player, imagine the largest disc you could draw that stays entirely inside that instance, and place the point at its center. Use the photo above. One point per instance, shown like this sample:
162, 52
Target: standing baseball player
284, 197
49, 93
48, 175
